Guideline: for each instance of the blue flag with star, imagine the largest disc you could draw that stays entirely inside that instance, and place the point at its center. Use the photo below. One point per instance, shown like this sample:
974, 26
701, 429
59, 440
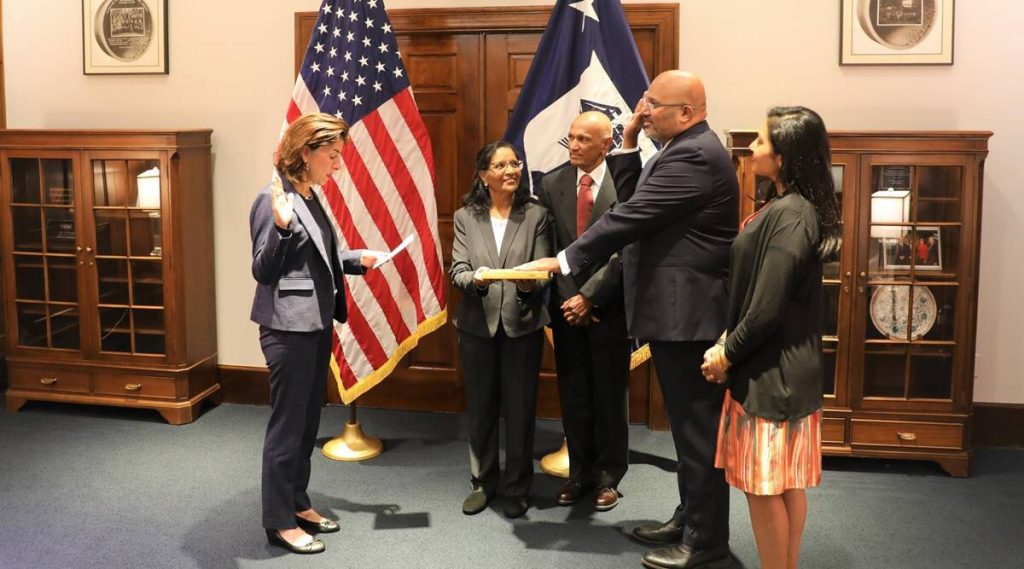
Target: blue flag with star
587, 61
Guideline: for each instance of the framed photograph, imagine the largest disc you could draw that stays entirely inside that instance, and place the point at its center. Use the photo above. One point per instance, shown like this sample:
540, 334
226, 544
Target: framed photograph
124, 37
921, 247
896, 32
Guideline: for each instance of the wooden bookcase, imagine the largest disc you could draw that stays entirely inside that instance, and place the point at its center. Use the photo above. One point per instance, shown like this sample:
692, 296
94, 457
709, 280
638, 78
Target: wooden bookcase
107, 248
901, 303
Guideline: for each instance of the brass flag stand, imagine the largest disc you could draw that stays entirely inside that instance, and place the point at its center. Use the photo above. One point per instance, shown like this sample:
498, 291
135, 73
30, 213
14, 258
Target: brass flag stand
557, 463
353, 445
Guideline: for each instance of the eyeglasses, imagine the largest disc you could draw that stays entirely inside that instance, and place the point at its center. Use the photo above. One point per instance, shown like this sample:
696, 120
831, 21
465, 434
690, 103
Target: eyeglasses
650, 105
500, 166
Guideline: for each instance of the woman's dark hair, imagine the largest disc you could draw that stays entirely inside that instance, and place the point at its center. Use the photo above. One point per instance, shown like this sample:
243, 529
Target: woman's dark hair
799, 137
478, 199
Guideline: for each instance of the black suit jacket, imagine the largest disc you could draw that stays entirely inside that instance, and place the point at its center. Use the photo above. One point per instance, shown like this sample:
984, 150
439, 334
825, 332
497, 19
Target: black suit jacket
526, 239
674, 224
602, 282
300, 286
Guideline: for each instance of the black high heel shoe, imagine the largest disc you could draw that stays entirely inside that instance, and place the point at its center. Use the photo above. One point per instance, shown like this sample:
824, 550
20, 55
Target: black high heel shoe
314, 546
326, 526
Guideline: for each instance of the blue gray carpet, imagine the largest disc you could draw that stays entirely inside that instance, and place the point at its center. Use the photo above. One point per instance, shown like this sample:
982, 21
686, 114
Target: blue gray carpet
95, 487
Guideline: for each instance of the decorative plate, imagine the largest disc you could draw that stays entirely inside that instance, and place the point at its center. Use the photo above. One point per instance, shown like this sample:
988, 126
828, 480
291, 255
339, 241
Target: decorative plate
890, 309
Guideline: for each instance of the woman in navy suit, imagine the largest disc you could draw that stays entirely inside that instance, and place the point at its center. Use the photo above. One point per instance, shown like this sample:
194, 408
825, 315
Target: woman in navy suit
298, 265
499, 324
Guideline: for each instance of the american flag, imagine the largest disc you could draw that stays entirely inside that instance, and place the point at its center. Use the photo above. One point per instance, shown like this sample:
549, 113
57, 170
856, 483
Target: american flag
383, 192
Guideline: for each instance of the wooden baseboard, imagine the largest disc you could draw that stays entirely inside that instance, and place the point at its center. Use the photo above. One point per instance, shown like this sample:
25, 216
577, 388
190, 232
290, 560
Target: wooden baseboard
998, 425
995, 424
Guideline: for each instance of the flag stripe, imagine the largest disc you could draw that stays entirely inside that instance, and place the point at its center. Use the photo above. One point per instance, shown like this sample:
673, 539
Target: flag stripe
377, 287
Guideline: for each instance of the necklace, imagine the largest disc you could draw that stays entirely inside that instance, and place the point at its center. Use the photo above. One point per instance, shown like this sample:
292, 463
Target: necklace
305, 197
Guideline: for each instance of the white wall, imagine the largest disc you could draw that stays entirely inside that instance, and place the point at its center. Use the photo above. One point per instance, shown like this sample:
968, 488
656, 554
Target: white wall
231, 70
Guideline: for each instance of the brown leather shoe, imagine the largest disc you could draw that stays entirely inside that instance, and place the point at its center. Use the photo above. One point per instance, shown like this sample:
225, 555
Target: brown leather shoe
606, 498
571, 493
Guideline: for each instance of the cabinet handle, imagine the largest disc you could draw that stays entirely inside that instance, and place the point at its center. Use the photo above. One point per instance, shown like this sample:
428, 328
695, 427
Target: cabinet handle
860, 289
132, 386
88, 249
846, 289
48, 380
79, 248
906, 436
862, 275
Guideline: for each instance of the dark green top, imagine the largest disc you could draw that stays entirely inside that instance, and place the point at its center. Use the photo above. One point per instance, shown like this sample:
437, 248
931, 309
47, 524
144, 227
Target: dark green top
775, 312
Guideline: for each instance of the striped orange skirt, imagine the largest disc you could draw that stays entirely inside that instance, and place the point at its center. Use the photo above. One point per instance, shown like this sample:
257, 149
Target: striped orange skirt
764, 457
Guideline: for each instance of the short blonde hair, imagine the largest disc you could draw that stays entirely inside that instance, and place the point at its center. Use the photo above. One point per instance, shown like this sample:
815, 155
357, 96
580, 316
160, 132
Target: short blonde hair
311, 130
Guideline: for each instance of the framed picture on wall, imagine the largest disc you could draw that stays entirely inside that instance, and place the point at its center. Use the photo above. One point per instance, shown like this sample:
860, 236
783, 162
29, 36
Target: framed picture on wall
124, 36
896, 32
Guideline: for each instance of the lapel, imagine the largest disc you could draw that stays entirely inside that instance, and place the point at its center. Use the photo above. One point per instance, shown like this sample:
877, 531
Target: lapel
483, 223
515, 219
308, 222
605, 199
564, 201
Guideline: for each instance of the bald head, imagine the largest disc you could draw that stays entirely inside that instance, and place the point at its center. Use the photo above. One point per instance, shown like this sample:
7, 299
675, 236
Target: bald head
595, 121
678, 101
590, 138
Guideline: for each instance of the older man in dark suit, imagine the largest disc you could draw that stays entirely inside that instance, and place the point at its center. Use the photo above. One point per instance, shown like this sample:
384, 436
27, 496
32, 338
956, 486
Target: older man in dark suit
675, 222
589, 323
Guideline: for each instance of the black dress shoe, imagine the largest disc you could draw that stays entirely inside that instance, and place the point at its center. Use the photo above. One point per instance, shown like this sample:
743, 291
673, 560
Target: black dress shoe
314, 546
325, 526
515, 506
685, 557
668, 532
475, 502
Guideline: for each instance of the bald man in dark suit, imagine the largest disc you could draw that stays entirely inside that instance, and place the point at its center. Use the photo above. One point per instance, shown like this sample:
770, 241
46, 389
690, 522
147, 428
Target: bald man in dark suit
674, 225
589, 323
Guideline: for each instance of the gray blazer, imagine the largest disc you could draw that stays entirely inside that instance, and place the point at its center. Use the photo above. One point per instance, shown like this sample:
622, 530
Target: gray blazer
481, 310
300, 288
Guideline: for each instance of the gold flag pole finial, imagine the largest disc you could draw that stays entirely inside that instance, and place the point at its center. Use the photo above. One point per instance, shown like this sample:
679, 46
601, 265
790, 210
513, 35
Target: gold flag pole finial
353, 445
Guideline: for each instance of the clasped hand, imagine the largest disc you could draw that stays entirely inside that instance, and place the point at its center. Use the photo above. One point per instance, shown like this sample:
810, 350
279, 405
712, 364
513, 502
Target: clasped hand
578, 311
715, 364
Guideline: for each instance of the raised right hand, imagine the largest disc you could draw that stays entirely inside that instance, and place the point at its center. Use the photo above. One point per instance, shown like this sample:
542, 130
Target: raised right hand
631, 130
282, 205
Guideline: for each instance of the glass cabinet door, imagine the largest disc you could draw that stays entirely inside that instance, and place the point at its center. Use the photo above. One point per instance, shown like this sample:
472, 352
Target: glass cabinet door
44, 256
129, 273
913, 289
837, 281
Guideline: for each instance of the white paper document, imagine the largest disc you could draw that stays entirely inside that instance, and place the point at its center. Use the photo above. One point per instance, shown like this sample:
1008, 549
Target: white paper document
384, 257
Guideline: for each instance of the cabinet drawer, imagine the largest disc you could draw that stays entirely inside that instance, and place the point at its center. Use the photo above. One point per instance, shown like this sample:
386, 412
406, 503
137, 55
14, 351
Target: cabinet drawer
906, 434
833, 431
134, 386
49, 380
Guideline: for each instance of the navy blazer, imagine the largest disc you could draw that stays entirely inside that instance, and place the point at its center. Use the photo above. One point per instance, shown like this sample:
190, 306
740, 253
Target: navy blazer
526, 239
300, 287
676, 218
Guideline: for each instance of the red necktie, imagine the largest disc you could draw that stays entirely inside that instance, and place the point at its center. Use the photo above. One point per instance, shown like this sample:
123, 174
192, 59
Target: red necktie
584, 203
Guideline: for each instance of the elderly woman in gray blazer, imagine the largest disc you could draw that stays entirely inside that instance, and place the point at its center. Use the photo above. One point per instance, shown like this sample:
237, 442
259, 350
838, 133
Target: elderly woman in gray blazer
499, 324
299, 268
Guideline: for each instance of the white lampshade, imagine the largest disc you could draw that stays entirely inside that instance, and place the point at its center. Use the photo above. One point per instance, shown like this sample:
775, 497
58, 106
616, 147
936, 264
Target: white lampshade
149, 189
889, 206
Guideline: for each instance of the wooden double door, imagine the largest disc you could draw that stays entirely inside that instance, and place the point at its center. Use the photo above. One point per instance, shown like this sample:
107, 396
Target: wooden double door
466, 67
